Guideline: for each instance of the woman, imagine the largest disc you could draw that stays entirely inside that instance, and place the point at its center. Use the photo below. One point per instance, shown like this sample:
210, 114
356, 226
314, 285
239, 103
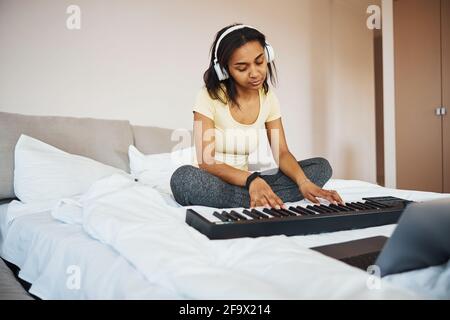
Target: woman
235, 102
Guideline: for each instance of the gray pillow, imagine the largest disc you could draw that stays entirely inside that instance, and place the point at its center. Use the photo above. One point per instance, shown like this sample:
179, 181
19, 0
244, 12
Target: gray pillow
152, 140
105, 141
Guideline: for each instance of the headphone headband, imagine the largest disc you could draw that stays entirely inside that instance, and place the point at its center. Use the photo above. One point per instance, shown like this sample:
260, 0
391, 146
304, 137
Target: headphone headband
227, 32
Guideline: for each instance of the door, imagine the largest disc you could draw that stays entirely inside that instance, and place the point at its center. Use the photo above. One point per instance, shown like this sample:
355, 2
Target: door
417, 45
445, 10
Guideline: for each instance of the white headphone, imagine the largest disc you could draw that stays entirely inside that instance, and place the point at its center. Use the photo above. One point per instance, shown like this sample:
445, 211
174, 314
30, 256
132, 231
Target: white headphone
222, 73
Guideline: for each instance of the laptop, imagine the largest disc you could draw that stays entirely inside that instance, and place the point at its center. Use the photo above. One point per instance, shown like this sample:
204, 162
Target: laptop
360, 253
421, 239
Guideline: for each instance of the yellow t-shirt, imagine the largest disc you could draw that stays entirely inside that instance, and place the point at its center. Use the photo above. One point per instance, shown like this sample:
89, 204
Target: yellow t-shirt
234, 141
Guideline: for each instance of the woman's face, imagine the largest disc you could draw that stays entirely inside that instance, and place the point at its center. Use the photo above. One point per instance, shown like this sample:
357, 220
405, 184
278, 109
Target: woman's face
248, 65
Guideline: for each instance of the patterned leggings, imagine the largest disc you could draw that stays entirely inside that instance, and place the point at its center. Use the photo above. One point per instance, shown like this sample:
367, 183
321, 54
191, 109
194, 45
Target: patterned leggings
194, 186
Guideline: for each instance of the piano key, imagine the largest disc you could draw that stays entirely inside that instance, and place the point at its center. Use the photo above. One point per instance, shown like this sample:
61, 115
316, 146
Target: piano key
306, 211
316, 208
221, 217
272, 213
284, 214
237, 214
379, 205
358, 206
349, 205
296, 211
331, 210
281, 213
208, 215
345, 207
291, 213
338, 208
366, 206
371, 205
251, 214
259, 213
229, 216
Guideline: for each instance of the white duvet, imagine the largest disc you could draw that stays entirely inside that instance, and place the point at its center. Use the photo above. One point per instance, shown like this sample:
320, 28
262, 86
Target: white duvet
137, 222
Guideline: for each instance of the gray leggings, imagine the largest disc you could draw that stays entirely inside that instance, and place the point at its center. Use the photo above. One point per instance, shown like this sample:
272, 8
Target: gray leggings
194, 186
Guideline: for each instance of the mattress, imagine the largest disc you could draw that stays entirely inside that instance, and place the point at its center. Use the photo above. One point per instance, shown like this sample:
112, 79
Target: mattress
62, 261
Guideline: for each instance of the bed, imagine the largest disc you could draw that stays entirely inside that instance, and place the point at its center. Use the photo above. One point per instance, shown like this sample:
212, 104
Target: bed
110, 250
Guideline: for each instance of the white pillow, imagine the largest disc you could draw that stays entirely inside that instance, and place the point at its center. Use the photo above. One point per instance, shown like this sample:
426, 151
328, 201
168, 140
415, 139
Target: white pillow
156, 170
43, 172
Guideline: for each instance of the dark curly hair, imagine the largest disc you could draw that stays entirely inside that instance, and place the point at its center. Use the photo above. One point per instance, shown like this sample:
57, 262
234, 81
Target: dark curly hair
228, 44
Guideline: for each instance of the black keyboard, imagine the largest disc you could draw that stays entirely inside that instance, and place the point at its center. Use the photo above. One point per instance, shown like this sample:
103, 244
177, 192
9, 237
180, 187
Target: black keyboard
297, 220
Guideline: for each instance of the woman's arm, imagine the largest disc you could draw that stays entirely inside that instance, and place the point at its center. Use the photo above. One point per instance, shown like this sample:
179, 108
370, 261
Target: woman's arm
283, 157
205, 151
290, 167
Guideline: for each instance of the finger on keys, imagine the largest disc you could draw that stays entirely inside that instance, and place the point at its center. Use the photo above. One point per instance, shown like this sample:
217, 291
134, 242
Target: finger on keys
335, 197
329, 196
280, 202
313, 199
273, 203
339, 198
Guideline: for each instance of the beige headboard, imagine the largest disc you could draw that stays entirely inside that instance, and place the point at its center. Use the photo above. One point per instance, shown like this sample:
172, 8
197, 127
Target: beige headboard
151, 140
106, 141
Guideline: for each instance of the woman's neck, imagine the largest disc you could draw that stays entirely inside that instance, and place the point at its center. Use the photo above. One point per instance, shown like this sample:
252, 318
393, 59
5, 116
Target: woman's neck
246, 94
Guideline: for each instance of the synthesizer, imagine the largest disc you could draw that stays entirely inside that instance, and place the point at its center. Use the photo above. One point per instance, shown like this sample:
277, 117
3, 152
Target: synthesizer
296, 220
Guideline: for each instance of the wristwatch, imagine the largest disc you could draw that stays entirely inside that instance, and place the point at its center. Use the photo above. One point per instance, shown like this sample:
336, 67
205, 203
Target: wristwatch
250, 179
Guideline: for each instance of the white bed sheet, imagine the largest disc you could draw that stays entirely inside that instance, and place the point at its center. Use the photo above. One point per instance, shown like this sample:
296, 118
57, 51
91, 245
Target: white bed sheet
44, 248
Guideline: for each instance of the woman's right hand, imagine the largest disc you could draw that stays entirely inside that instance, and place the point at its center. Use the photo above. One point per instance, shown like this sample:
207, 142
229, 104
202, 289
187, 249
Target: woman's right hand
262, 195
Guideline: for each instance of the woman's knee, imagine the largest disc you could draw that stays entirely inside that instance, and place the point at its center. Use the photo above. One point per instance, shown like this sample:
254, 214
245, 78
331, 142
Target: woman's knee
325, 167
317, 170
180, 183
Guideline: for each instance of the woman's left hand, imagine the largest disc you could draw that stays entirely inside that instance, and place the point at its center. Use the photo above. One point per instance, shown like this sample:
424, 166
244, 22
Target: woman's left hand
310, 191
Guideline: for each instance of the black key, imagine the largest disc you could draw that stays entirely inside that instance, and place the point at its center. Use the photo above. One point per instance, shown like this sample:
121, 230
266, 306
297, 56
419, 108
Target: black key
251, 214
306, 211
272, 213
229, 216
296, 210
279, 211
292, 214
379, 205
221, 217
371, 205
331, 210
345, 207
338, 208
316, 208
240, 216
359, 206
350, 205
259, 213
368, 207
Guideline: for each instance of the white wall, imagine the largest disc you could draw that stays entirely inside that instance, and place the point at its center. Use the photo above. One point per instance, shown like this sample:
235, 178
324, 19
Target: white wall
144, 61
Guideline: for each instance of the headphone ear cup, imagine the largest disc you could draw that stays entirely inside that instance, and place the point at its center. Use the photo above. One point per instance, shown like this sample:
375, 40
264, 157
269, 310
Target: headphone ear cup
225, 74
221, 73
270, 53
